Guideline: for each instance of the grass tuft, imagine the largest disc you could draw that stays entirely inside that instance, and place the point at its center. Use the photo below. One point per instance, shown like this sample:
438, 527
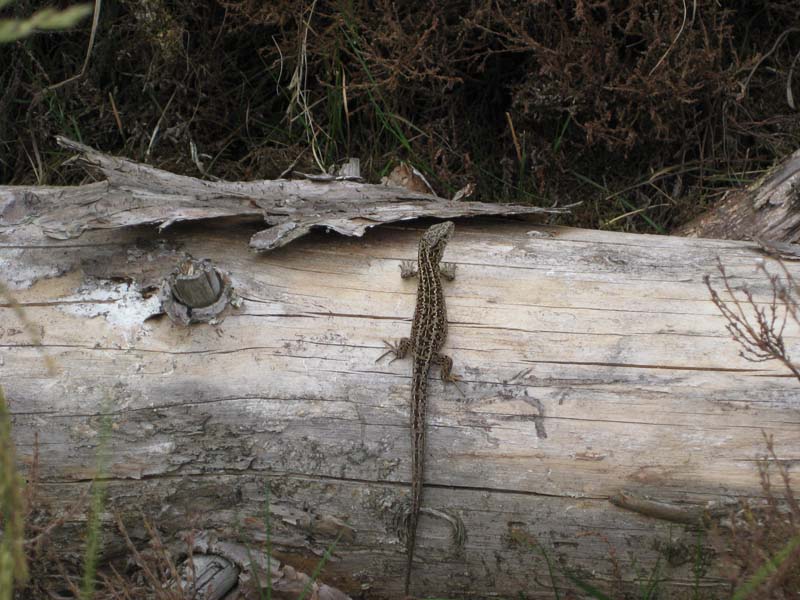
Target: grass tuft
13, 564
97, 506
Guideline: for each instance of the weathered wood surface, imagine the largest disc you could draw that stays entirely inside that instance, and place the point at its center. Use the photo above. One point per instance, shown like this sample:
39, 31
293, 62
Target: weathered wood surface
768, 209
591, 362
137, 194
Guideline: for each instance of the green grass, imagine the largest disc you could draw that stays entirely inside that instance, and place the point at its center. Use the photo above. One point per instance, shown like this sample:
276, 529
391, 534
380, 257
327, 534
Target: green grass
265, 590
268, 539
390, 123
13, 566
98, 499
771, 566
13, 563
649, 584
325, 558
561, 132
619, 197
47, 19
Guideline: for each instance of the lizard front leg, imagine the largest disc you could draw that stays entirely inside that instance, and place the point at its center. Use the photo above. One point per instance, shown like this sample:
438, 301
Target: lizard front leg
409, 269
447, 270
399, 349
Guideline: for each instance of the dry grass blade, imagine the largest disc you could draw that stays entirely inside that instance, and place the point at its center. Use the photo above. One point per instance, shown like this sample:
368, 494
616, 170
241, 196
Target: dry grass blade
141, 562
761, 60
13, 564
677, 37
89, 47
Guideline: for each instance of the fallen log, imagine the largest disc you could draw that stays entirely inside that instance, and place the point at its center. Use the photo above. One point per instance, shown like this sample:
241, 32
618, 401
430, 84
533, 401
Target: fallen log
591, 362
766, 210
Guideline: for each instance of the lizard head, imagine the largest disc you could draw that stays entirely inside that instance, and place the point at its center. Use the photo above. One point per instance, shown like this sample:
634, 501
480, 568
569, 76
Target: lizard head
436, 238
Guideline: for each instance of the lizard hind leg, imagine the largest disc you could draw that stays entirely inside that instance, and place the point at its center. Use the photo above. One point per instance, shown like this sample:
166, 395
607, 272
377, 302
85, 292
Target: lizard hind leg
446, 366
400, 349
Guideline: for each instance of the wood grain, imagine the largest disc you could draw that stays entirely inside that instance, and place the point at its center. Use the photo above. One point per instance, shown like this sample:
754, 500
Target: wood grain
767, 209
133, 194
591, 361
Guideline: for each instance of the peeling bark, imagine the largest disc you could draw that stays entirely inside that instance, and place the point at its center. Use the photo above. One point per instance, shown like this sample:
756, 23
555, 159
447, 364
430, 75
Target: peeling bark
136, 194
767, 210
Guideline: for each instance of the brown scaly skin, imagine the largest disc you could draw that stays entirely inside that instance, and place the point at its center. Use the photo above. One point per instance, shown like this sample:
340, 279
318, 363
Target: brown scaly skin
428, 333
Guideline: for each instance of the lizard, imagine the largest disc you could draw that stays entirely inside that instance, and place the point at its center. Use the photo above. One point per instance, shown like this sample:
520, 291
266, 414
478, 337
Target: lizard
428, 333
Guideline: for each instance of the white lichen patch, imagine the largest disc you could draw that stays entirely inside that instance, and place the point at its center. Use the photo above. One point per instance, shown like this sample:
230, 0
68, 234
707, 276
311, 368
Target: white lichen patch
164, 447
20, 274
121, 304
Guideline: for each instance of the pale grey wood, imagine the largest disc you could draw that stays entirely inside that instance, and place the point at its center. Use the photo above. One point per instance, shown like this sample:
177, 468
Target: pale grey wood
591, 362
768, 209
137, 194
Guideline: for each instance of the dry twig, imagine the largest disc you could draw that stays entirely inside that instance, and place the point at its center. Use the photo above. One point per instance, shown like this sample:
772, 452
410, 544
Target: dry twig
759, 329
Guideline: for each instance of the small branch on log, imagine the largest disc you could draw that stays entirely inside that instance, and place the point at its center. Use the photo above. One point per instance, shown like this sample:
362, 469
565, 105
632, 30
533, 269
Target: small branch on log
137, 194
197, 292
667, 511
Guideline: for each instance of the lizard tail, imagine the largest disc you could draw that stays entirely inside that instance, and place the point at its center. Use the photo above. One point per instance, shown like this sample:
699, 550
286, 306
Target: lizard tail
419, 385
411, 538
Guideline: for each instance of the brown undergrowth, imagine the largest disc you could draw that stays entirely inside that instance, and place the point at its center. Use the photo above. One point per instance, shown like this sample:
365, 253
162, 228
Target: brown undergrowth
42, 570
761, 545
643, 109
761, 549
